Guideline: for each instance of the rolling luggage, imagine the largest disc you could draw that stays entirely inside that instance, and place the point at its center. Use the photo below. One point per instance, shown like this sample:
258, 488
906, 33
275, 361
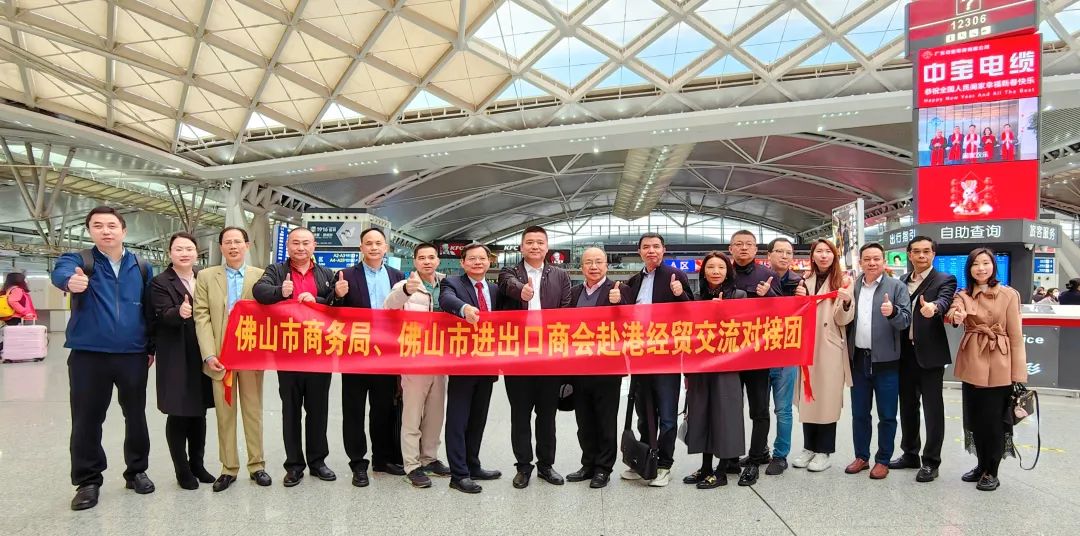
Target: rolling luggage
25, 343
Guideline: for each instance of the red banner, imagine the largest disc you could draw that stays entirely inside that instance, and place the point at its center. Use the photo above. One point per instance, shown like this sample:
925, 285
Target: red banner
705, 336
985, 71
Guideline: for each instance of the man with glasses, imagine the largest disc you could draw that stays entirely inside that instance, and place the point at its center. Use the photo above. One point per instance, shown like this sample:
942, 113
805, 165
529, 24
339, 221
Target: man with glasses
782, 379
756, 280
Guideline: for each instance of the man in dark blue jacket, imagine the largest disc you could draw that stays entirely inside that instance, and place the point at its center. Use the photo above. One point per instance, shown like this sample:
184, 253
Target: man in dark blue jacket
108, 341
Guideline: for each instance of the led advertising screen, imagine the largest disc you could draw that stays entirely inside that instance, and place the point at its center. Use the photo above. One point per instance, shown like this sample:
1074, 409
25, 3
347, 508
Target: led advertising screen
992, 70
954, 264
978, 192
964, 134
932, 23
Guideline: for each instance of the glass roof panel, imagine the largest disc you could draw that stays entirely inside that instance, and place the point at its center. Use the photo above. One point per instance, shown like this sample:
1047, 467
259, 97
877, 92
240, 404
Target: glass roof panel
567, 6
781, 37
337, 112
725, 66
675, 49
520, 89
426, 101
620, 21
880, 29
833, 53
1070, 18
259, 120
513, 30
1048, 32
834, 10
190, 133
729, 15
570, 61
621, 77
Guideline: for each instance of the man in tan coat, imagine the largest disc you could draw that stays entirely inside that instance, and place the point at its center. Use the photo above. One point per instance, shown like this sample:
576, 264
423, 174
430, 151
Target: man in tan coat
217, 290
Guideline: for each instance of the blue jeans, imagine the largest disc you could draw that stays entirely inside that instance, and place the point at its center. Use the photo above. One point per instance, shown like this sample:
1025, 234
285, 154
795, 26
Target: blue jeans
782, 385
884, 387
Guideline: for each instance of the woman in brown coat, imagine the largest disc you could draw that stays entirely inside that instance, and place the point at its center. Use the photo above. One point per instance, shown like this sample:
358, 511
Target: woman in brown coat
831, 371
991, 359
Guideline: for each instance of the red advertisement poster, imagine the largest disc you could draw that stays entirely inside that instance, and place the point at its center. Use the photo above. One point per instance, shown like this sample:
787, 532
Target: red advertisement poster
451, 250
985, 71
558, 256
998, 191
933, 23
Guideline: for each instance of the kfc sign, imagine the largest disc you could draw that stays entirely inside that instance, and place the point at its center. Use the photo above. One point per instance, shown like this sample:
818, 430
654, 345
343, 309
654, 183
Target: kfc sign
933, 23
986, 71
978, 192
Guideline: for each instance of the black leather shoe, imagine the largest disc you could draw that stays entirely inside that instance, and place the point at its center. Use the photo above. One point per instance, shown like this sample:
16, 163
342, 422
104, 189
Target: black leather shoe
580, 475
437, 468
187, 481
418, 478
293, 478
223, 482
905, 462
521, 480
730, 467
926, 474
988, 482
465, 485
141, 484
389, 468
599, 480
777, 466
86, 497
324, 473
360, 478
749, 475
973, 475
551, 476
261, 478
202, 474
486, 474
695, 477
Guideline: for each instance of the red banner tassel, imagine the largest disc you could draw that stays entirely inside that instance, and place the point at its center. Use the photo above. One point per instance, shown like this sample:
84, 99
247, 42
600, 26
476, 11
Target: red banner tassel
227, 382
808, 391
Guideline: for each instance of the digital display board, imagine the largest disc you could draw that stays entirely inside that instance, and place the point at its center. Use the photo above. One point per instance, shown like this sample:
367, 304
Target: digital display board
337, 260
1001, 131
1044, 265
979, 72
979, 192
932, 23
954, 264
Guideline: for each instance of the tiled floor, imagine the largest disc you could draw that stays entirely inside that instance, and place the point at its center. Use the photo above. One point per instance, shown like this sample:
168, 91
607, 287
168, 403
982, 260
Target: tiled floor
35, 490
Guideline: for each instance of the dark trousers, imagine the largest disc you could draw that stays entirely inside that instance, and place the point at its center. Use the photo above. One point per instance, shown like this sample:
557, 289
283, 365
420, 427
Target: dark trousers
819, 438
385, 426
665, 389
926, 384
881, 383
528, 394
91, 377
596, 407
756, 383
304, 393
984, 409
186, 437
467, 401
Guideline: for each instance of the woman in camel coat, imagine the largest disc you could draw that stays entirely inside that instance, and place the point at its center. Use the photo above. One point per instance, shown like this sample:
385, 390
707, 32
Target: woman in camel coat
831, 371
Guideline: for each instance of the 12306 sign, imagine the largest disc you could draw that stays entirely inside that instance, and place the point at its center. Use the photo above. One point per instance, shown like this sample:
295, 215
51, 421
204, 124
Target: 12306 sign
986, 71
933, 23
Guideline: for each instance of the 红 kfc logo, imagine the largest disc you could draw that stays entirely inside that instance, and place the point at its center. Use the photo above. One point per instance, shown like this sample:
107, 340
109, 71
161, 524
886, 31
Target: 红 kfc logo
967, 6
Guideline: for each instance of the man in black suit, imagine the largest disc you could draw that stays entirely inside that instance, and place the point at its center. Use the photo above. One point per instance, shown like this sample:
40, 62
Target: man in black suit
467, 397
658, 283
924, 353
366, 286
534, 284
300, 279
596, 398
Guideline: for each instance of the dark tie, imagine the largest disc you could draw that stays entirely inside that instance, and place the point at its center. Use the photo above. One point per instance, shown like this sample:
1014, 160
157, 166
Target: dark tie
480, 299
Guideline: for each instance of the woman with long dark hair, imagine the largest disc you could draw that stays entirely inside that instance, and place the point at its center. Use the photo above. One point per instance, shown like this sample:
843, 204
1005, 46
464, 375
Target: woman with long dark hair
18, 298
183, 391
831, 371
990, 362
714, 410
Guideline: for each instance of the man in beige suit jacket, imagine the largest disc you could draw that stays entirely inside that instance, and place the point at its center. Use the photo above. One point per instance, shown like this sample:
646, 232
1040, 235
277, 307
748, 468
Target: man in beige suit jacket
217, 289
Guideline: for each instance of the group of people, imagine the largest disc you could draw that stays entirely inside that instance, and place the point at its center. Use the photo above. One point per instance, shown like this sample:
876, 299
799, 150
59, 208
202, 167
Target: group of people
884, 338
972, 147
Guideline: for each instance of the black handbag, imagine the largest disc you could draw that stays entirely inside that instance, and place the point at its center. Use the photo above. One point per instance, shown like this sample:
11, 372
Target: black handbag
1023, 403
566, 397
642, 458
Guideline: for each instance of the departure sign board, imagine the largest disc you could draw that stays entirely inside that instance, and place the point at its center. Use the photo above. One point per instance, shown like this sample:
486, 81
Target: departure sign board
934, 23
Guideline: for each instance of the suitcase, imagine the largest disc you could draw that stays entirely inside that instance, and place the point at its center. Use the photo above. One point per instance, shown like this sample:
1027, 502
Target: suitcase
25, 343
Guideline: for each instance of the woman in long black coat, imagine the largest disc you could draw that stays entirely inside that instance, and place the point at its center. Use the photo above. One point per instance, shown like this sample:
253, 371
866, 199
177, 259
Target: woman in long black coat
183, 391
714, 401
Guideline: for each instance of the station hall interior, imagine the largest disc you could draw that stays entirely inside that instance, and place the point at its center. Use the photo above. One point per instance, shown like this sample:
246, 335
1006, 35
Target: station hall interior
459, 121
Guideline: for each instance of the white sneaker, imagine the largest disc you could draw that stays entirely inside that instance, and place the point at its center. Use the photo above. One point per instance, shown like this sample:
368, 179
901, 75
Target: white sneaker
663, 477
630, 474
803, 459
819, 463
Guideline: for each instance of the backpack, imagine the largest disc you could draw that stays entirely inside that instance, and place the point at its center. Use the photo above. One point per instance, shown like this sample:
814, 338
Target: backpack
87, 256
6, 311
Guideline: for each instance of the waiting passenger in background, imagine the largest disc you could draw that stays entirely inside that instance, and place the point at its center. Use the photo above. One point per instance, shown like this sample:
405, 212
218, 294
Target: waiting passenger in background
831, 370
714, 410
1071, 296
18, 298
990, 362
183, 391
1051, 297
